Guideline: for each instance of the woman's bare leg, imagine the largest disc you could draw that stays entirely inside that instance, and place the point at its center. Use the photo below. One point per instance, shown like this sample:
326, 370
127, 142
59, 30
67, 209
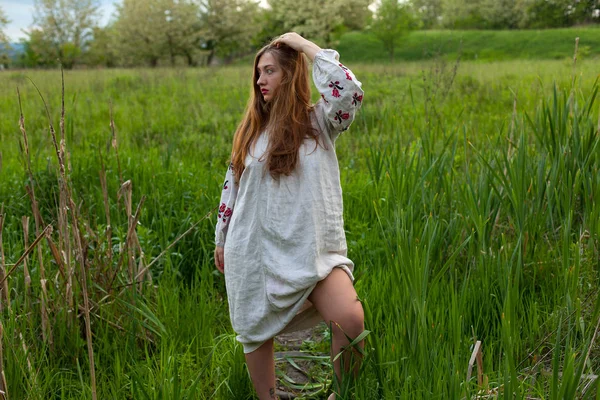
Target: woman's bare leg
337, 302
261, 364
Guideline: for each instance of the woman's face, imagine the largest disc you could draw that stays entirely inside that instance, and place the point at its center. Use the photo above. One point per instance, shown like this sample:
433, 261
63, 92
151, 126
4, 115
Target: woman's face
269, 75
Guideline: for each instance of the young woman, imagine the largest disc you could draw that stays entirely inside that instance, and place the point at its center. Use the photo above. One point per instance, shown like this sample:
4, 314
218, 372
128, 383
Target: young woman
280, 237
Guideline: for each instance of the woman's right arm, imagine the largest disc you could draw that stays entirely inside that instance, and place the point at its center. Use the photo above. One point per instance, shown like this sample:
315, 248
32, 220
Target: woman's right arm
226, 205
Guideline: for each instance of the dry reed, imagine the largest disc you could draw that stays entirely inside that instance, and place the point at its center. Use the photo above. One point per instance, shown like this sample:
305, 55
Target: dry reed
3, 386
4, 294
67, 301
30, 189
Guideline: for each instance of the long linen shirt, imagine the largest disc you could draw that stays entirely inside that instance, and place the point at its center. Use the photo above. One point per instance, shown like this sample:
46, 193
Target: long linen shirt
282, 236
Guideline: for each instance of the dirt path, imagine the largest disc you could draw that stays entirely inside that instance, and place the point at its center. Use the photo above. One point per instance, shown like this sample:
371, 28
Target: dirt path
303, 368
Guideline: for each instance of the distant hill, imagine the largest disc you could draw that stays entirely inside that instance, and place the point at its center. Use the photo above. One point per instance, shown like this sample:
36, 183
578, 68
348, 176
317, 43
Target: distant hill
13, 49
486, 45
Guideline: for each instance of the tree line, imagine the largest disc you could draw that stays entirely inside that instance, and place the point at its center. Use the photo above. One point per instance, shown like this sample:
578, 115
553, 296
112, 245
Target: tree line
198, 32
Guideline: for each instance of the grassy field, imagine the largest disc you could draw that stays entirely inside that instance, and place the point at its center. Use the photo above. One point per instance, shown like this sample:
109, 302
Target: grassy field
490, 45
471, 209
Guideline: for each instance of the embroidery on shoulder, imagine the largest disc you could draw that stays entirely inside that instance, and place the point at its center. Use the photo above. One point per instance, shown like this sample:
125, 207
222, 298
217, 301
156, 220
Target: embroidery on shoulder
348, 77
356, 99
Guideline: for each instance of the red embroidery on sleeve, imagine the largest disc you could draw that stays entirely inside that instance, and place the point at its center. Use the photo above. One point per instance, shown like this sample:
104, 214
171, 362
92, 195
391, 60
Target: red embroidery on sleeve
336, 88
227, 214
346, 71
340, 115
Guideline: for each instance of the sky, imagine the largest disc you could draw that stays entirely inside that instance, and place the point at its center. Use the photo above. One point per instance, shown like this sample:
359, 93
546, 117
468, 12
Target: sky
20, 12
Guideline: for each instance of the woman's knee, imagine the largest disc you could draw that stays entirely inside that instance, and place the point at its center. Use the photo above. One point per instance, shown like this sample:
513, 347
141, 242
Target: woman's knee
352, 320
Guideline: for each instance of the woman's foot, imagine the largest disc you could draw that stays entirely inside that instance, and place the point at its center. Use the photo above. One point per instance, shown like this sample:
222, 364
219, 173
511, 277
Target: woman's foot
331, 397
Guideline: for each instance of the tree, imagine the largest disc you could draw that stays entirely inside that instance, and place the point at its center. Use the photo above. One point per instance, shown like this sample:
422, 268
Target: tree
356, 14
184, 33
457, 14
499, 14
140, 27
3, 22
229, 27
551, 13
316, 20
587, 11
152, 31
149, 31
38, 51
271, 26
392, 20
67, 26
429, 12
101, 50
4, 42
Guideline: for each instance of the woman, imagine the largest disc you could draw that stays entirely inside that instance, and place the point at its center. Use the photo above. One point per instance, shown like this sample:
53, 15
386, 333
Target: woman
280, 236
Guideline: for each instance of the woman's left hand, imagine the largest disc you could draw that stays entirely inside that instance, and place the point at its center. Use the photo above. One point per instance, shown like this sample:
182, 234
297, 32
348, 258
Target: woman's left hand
299, 44
293, 40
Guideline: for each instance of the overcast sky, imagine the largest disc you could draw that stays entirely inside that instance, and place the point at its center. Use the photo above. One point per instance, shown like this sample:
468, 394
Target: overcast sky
20, 12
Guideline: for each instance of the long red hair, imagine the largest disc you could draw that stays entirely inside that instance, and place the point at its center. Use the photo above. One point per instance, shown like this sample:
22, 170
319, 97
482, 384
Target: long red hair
286, 117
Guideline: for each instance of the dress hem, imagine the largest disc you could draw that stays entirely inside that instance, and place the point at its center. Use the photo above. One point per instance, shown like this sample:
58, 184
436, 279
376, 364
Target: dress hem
303, 319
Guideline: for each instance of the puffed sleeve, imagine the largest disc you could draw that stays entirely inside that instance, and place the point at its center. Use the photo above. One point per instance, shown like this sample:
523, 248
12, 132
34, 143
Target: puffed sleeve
341, 93
228, 196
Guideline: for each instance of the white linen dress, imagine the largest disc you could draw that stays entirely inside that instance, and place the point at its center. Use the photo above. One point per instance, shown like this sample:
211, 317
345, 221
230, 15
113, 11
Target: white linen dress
282, 236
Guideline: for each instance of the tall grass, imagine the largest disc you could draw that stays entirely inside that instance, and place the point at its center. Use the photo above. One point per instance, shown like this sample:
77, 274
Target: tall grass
484, 244
470, 215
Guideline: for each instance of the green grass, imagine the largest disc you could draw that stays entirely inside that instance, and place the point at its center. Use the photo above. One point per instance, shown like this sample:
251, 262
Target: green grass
467, 219
484, 45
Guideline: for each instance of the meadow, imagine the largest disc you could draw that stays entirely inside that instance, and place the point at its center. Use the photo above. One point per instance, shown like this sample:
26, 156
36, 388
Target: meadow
486, 45
471, 208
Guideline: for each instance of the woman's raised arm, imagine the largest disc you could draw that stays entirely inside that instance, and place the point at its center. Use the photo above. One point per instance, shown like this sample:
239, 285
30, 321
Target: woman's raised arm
341, 92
